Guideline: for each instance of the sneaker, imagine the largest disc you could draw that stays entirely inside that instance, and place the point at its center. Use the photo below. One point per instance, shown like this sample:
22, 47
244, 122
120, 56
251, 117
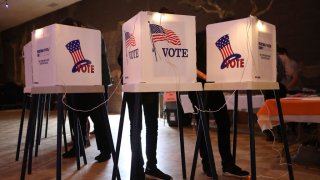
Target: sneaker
156, 173
235, 171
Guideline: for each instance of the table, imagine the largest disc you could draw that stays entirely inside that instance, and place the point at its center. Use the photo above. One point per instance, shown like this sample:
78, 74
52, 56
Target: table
59, 90
295, 109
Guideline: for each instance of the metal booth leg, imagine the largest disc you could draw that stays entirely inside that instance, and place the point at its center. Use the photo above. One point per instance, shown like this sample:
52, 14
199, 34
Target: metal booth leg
180, 126
25, 102
252, 141
284, 136
203, 129
32, 114
59, 135
120, 130
235, 126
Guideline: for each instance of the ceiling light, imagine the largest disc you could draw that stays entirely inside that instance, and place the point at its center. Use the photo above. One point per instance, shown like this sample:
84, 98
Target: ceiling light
7, 5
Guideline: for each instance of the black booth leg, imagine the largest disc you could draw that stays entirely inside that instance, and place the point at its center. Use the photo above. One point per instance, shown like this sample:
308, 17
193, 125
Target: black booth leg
25, 100
109, 134
64, 134
59, 136
119, 138
252, 141
32, 113
180, 125
196, 150
79, 148
33, 132
203, 129
47, 114
39, 126
235, 126
76, 140
284, 135
43, 109
63, 124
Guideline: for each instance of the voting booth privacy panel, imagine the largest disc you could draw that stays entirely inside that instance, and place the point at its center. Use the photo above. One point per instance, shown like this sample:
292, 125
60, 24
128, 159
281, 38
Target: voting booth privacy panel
27, 54
242, 50
66, 55
159, 48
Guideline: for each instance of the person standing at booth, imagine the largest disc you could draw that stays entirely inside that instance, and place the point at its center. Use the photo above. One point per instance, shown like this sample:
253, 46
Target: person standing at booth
213, 100
150, 103
87, 101
292, 71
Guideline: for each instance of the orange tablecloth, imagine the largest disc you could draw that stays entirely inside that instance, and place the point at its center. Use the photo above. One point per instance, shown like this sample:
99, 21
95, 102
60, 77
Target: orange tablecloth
295, 109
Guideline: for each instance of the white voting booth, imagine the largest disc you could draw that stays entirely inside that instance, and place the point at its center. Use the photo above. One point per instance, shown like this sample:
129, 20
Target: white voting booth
159, 48
241, 55
65, 59
242, 50
66, 55
159, 54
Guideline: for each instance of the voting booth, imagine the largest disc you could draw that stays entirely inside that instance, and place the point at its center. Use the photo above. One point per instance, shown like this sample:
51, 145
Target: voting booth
159, 48
27, 54
66, 55
242, 50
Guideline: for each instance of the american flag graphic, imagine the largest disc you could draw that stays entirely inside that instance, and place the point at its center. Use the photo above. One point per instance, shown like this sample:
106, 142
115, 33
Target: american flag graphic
130, 40
161, 34
75, 51
224, 46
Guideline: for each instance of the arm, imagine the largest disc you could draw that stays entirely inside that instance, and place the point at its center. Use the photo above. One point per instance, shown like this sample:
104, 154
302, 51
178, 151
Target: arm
293, 82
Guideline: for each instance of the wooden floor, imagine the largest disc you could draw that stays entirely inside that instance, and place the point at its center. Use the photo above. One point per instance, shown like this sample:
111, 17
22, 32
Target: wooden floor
267, 159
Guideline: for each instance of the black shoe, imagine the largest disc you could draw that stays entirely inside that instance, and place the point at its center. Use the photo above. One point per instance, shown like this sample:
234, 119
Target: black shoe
268, 134
235, 171
103, 157
207, 171
71, 153
155, 173
87, 144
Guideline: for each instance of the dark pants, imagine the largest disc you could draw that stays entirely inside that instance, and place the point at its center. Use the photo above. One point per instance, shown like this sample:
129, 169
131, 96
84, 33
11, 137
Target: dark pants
149, 102
99, 116
213, 100
71, 116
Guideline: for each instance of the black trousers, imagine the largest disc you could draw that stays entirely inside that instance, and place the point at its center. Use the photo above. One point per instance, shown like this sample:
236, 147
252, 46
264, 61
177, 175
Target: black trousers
99, 116
150, 103
213, 100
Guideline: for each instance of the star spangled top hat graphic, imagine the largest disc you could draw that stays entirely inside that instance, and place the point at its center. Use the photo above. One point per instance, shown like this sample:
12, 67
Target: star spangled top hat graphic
225, 49
75, 50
